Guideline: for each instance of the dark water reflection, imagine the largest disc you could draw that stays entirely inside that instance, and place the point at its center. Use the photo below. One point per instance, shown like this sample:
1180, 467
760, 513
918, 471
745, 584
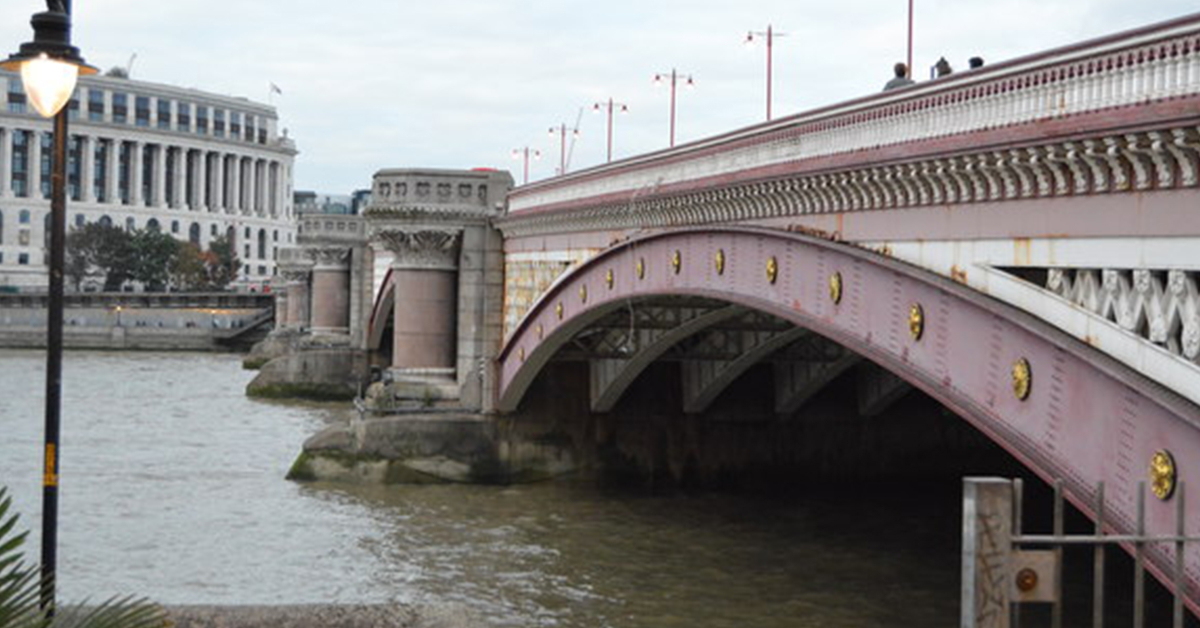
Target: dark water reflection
172, 488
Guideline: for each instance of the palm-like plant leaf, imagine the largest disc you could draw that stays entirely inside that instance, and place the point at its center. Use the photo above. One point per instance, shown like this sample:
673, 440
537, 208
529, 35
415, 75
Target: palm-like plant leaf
19, 592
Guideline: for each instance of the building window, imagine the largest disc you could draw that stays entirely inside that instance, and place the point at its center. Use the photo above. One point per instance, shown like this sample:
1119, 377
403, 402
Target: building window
141, 111
249, 127
100, 171
218, 123
152, 225
184, 118
124, 172
275, 236
174, 226
262, 244
47, 140
23, 259
16, 96
201, 120
120, 108
213, 231
20, 163
194, 233
75, 168
247, 247
130, 224
164, 114
80, 220
235, 125
105, 221
95, 105
73, 109
24, 217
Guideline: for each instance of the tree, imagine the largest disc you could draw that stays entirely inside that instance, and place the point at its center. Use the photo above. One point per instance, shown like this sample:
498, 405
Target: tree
222, 262
188, 269
97, 250
153, 253
20, 589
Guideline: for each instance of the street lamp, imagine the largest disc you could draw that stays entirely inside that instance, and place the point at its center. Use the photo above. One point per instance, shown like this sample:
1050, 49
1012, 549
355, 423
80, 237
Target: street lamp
49, 67
688, 82
622, 107
561, 132
770, 35
525, 153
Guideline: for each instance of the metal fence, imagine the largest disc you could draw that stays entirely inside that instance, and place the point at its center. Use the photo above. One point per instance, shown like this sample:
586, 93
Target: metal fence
1005, 568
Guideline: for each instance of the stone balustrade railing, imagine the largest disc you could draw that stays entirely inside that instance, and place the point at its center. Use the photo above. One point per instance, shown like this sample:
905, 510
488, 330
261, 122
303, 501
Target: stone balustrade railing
1152, 64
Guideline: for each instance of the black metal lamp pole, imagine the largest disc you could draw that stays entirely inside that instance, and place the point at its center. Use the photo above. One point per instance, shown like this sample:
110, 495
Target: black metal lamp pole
49, 66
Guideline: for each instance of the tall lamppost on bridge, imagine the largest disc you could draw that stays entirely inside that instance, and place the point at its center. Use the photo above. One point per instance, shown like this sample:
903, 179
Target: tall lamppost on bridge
525, 153
609, 106
770, 36
662, 77
562, 131
49, 67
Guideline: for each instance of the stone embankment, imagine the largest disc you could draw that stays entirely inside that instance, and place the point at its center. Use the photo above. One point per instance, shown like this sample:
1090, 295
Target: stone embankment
323, 616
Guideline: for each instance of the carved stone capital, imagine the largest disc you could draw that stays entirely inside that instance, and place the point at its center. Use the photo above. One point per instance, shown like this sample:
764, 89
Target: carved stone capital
295, 275
422, 248
329, 258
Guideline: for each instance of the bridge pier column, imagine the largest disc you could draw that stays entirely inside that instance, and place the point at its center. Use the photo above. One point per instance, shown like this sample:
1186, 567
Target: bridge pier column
281, 309
425, 276
330, 299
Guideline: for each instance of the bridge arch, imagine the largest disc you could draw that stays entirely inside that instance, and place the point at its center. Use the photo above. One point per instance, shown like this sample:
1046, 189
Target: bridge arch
1062, 408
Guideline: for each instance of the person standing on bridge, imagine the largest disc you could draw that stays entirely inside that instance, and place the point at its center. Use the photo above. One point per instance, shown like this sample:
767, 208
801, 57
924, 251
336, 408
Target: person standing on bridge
901, 79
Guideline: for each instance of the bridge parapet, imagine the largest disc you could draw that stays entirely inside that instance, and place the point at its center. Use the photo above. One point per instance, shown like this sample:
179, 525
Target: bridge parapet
975, 135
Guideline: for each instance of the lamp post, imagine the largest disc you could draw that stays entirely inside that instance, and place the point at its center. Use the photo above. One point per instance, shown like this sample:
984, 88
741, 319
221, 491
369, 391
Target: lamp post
561, 132
910, 36
50, 67
609, 106
688, 82
525, 153
770, 35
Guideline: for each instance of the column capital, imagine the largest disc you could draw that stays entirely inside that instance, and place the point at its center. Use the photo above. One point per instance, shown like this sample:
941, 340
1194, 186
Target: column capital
423, 248
329, 258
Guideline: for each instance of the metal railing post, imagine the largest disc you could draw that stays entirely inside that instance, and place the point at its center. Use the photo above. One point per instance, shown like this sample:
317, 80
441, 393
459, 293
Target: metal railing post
987, 546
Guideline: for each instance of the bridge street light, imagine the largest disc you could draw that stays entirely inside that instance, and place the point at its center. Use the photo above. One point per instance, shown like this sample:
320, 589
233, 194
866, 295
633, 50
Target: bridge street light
525, 153
609, 106
770, 36
659, 79
561, 131
49, 68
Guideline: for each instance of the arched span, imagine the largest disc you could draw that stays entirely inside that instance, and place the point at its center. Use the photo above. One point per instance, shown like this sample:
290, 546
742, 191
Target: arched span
385, 302
1084, 417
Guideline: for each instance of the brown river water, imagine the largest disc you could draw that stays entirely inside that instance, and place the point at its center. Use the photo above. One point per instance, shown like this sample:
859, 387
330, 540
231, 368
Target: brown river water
172, 488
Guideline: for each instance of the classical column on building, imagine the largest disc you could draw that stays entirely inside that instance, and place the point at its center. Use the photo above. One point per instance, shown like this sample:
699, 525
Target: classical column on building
251, 194
216, 198
425, 285
200, 188
5, 163
330, 297
135, 173
87, 168
33, 168
158, 188
112, 168
179, 198
233, 175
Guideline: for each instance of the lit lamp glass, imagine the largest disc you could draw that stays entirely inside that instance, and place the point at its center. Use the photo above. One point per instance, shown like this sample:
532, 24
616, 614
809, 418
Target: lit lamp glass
49, 65
49, 83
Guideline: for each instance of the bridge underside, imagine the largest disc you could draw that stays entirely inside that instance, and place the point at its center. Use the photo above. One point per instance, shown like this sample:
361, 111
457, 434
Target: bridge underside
800, 312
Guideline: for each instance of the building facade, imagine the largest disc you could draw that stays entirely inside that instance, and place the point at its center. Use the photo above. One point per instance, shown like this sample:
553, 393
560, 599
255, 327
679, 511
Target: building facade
146, 156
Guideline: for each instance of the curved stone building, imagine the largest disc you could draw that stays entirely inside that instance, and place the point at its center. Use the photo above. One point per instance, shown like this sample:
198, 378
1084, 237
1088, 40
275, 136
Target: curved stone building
145, 155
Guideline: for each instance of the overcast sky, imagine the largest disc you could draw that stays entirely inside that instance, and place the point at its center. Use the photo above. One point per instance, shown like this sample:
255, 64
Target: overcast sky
461, 83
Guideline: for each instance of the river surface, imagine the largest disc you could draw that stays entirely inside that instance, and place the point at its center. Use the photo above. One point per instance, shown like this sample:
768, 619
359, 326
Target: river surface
172, 487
